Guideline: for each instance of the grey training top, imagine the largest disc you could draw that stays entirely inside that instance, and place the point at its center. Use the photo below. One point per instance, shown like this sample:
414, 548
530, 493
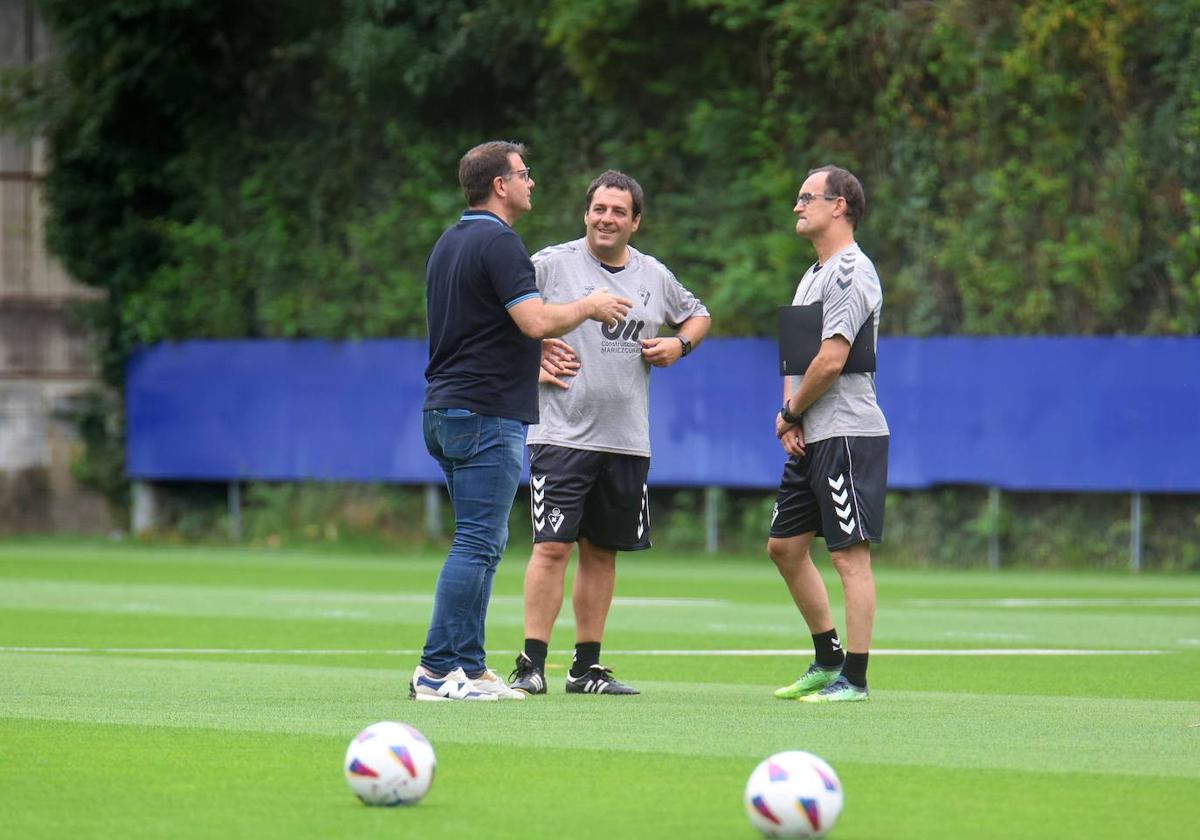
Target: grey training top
607, 407
850, 292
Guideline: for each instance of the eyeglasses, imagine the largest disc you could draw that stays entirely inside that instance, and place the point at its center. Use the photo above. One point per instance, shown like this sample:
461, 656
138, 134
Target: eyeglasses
523, 174
805, 199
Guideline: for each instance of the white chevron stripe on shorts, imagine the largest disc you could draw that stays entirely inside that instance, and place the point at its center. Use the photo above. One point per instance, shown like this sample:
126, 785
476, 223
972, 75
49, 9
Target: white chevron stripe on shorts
845, 520
537, 501
644, 514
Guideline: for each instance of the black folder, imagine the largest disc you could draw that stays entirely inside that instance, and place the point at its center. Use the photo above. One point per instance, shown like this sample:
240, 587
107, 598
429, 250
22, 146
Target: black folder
800, 339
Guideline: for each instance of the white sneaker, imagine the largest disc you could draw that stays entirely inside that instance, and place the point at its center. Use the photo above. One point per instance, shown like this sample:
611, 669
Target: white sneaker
453, 686
491, 683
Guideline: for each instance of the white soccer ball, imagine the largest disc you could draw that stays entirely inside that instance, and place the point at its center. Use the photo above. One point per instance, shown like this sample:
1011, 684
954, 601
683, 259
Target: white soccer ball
389, 764
793, 794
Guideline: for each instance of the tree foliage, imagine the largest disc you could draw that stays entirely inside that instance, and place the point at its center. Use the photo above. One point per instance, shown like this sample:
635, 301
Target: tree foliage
281, 168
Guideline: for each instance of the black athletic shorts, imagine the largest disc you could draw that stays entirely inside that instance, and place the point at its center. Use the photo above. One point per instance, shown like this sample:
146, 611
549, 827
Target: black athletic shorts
599, 496
837, 490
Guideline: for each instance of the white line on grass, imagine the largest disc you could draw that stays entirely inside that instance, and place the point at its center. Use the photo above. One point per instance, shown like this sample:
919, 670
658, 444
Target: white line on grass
1052, 602
206, 651
415, 652
670, 602
898, 652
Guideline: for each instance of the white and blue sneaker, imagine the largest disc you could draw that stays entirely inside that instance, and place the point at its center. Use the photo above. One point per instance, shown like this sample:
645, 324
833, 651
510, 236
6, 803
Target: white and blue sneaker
453, 686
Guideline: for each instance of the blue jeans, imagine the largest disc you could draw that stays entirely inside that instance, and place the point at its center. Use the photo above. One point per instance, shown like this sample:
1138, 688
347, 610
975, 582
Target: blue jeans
481, 458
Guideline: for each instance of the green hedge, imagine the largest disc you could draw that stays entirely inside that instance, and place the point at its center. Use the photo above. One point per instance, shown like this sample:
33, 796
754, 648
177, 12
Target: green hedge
945, 528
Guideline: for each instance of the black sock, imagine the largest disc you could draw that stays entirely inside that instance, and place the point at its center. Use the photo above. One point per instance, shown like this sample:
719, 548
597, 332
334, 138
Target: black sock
855, 669
536, 650
587, 654
828, 648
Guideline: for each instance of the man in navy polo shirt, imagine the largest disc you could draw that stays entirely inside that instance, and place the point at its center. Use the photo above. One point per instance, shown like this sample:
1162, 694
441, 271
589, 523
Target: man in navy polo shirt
486, 320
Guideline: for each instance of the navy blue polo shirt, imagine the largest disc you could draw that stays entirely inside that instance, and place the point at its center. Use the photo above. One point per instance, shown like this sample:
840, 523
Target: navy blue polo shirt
478, 358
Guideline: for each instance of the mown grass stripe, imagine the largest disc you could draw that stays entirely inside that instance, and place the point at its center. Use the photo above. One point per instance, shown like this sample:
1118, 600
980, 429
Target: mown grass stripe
1023, 603
698, 652
937, 728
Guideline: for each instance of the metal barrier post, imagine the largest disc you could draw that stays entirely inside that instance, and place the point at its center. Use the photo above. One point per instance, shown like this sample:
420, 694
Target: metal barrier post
711, 497
993, 528
1135, 532
145, 507
433, 511
235, 511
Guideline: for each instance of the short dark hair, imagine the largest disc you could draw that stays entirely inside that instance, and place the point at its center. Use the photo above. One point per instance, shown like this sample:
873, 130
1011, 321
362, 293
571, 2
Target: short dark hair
482, 164
618, 181
842, 182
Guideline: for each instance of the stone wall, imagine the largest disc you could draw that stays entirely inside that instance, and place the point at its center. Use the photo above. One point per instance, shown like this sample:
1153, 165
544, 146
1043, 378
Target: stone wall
45, 355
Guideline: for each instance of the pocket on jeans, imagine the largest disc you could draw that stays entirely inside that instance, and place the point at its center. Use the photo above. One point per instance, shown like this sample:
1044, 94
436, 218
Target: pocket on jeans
460, 434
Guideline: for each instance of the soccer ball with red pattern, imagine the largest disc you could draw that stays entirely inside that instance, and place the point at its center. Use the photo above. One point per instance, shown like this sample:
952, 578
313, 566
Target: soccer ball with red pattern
389, 764
793, 794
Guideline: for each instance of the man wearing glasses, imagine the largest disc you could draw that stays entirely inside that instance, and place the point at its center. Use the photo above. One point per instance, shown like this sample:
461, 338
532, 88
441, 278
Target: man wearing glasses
590, 455
486, 319
835, 480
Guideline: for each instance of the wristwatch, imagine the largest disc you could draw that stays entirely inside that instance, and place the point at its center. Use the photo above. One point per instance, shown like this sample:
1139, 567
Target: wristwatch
687, 345
788, 417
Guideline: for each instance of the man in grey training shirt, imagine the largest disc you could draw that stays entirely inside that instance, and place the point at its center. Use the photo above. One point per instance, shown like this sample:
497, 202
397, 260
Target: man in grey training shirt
486, 320
834, 483
590, 454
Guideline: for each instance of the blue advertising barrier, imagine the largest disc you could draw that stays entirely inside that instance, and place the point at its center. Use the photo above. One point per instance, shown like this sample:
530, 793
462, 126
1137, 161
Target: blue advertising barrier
1069, 414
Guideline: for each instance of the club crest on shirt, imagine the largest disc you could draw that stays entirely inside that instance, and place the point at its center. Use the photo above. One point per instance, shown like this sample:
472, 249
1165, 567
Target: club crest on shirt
644, 294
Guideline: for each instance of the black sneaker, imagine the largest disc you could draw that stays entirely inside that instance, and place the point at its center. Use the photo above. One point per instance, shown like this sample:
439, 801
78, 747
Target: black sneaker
527, 677
597, 680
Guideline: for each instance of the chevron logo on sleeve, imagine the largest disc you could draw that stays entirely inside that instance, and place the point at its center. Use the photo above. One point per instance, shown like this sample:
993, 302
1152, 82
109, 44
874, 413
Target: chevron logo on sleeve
846, 268
841, 503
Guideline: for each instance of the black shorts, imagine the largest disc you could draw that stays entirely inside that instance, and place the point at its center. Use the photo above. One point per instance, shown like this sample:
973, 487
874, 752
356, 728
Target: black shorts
598, 496
837, 490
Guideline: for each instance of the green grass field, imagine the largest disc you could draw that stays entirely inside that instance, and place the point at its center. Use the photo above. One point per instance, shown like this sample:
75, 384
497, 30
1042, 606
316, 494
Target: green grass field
200, 692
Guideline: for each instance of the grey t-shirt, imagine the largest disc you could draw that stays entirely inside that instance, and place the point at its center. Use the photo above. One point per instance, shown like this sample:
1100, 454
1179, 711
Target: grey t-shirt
607, 407
850, 293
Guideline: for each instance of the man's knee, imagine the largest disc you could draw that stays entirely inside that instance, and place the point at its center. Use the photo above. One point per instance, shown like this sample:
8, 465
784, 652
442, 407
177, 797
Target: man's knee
593, 556
788, 551
852, 560
483, 548
777, 549
552, 553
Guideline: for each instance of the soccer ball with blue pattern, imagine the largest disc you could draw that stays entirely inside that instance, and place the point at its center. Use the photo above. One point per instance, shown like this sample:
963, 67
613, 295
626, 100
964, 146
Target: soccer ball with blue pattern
793, 794
389, 763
